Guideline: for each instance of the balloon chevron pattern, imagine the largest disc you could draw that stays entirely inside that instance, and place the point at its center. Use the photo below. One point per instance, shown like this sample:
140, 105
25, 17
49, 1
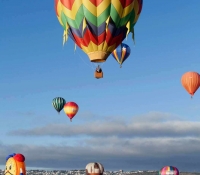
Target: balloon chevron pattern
97, 26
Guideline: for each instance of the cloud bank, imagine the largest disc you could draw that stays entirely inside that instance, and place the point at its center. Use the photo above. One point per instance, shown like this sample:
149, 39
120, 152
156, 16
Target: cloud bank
151, 141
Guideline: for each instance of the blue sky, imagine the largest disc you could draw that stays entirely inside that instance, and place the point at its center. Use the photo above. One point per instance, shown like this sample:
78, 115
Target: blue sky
35, 68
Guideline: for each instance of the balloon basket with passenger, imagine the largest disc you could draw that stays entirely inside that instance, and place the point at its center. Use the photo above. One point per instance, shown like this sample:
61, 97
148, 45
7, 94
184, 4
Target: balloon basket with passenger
98, 72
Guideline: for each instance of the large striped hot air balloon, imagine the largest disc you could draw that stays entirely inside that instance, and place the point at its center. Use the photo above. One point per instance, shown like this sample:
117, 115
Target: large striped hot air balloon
71, 109
121, 53
97, 26
169, 170
191, 81
58, 103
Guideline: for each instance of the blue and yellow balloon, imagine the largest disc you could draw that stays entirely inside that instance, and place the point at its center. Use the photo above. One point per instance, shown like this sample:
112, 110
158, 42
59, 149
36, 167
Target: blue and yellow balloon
121, 53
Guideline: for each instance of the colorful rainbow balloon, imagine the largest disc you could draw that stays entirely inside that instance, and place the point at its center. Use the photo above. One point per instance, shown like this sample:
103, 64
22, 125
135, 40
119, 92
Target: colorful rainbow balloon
169, 170
97, 26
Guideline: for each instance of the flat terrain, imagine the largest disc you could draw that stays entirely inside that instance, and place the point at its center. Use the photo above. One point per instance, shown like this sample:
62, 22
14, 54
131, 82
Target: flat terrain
82, 172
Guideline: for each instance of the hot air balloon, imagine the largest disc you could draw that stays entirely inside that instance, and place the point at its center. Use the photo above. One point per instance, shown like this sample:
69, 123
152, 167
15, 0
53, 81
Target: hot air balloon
58, 103
169, 170
191, 82
97, 26
71, 109
94, 169
15, 164
121, 53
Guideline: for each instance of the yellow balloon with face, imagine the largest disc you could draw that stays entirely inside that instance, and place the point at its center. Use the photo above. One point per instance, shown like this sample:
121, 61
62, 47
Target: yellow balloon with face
15, 165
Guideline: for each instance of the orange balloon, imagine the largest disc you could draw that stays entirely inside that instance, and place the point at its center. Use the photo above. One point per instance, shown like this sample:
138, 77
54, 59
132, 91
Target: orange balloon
70, 109
191, 82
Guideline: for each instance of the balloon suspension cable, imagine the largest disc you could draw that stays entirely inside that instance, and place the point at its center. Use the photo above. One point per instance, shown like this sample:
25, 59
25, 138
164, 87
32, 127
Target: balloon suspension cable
98, 67
85, 62
97, 64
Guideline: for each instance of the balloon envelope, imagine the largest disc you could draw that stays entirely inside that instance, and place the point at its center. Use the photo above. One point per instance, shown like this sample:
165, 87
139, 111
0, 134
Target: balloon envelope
121, 53
15, 164
71, 108
191, 81
94, 169
58, 103
169, 170
97, 26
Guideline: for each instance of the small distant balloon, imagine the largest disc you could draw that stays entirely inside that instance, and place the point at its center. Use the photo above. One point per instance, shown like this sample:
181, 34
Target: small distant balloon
94, 169
191, 81
169, 170
121, 53
58, 103
15, 164
71, 108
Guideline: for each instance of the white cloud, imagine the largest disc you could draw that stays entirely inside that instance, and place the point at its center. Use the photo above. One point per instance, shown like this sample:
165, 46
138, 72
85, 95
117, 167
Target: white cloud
151, 126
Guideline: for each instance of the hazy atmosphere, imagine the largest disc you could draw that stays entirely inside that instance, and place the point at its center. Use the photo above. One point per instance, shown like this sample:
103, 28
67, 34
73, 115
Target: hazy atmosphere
138, 117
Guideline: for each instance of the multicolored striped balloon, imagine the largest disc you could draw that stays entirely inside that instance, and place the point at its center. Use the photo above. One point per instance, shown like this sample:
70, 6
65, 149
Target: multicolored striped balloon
97, 26
121, 53
58, 103
169, 170
71, 109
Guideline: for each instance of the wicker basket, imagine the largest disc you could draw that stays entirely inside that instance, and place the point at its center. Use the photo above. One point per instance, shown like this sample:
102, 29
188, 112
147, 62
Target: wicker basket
98, 74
